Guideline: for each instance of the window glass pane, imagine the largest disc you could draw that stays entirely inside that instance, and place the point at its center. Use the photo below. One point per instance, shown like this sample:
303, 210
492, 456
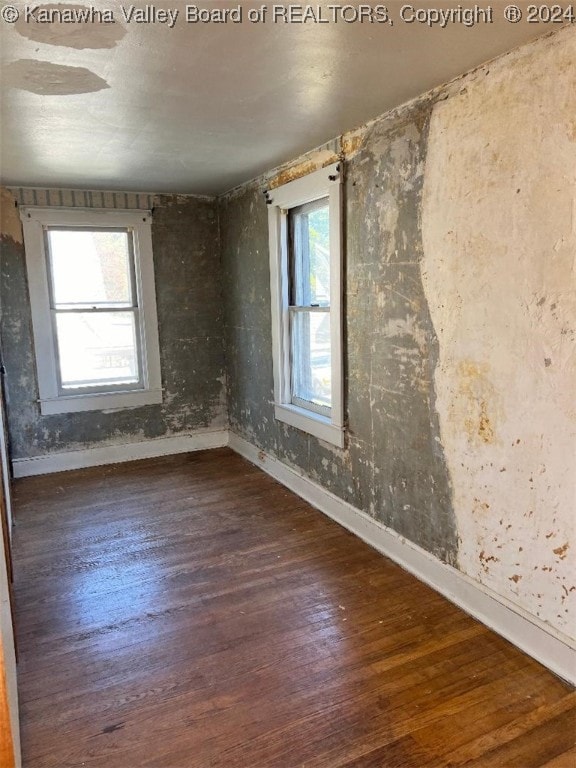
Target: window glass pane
90, 267
311, 255
97, 348
311, 359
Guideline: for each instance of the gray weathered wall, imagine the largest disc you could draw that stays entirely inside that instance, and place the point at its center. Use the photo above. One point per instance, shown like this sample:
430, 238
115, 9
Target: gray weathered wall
460, 318
188, 288
460, 323
393, 466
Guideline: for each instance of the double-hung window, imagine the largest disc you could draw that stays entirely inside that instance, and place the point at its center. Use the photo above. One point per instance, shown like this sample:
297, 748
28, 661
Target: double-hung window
91, 280
306, 277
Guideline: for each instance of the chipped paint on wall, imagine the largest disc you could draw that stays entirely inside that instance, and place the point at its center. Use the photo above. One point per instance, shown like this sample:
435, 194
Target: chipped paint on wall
353, 141
499, 243
460, 346
393, 467
308, 163
302, 169
10, 224
398, 470
443, 301
189, 301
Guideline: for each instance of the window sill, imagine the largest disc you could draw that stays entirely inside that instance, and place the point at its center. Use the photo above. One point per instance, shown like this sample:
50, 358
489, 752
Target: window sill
100, 402
313, 423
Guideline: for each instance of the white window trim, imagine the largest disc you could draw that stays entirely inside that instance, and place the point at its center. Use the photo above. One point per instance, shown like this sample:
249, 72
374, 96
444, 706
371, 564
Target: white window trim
326, 182
34, 219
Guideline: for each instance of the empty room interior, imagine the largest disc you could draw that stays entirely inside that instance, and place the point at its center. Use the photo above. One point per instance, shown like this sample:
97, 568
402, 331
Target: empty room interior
288, 365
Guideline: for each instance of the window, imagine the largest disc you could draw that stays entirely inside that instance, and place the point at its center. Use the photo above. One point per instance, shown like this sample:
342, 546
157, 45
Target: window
91, 280
306, 276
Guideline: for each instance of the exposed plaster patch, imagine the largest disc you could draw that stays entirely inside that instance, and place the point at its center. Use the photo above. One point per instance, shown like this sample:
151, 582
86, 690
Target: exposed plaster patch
80, 35
185, 241
47, 79
353, 141
311, 163
393, 467
498, 268
476, 397
561, 551
512, 510
10, 224
404, 326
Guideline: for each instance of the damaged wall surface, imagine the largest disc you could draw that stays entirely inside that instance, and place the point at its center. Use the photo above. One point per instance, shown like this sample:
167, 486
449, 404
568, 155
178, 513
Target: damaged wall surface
189, 301
499, 280
459, 326
393, 466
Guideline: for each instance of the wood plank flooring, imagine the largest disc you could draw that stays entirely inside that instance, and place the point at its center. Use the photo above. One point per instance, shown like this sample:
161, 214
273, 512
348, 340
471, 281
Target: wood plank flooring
190, 612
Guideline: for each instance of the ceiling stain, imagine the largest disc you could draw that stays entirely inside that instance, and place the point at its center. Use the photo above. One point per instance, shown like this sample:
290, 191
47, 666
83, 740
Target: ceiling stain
47, 79
90, 33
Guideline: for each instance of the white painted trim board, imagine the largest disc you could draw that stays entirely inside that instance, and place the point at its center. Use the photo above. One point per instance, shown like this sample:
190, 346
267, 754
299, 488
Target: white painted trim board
527, 632
114, 454
534, 637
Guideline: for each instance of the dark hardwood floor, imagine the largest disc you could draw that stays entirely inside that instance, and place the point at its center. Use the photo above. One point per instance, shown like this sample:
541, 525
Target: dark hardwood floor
190, 612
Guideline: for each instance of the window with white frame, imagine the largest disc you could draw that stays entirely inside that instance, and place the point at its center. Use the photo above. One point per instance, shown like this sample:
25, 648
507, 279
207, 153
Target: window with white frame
91, 280
304, 218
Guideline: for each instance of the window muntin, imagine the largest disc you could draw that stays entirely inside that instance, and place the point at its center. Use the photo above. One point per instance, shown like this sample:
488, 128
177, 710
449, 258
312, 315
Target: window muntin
304, 219
93, 302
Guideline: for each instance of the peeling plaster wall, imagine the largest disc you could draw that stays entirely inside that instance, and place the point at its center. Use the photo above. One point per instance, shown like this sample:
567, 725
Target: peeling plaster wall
459, 325
393, 466
499, 222
189, 299
460, 317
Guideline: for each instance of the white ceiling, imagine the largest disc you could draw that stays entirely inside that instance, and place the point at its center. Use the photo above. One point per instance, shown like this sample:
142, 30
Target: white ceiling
200, 108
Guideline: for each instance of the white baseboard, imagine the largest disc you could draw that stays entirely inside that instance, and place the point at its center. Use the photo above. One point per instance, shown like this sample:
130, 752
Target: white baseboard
542, 642
114, 454
527, 632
